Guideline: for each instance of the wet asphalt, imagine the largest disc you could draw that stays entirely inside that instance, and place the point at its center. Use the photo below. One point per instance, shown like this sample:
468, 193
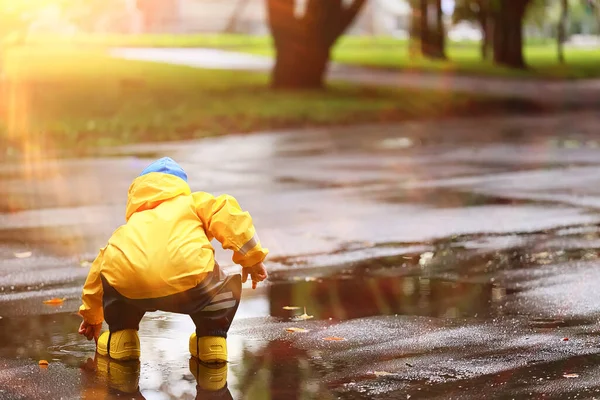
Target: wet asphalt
450, 260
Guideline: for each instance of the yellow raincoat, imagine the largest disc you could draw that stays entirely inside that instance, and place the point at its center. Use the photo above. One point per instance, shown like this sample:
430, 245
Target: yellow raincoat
164, 248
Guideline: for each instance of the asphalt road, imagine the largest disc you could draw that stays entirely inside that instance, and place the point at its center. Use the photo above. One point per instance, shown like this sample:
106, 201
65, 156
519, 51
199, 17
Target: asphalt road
455, 259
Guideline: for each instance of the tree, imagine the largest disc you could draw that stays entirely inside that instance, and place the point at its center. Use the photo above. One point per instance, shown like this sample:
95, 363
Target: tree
427, 29
432, 30
508, 32
477, 11
231, 26
303, 42
562, 30
414, 33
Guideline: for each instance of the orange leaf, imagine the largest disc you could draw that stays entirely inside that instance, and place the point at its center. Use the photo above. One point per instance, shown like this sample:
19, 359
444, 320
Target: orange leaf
43, 363
55, 301
334, 339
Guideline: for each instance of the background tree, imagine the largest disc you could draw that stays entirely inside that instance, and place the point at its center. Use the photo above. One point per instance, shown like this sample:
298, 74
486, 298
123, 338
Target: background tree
478, 11
414, 29
235, 16
502, 25
562, 30
432, 30
508, 32
303, 42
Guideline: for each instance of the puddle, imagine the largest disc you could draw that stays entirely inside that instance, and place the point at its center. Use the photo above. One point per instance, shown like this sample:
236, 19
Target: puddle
359, 297
165, 370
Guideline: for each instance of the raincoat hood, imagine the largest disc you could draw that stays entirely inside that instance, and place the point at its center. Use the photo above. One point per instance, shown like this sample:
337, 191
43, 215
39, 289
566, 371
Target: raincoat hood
166, 165
162, 180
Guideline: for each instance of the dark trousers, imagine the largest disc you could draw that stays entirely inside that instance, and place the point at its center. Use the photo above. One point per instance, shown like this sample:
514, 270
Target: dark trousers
211, 305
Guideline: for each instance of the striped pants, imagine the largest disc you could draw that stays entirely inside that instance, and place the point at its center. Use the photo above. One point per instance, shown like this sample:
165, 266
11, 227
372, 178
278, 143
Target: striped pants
211, 305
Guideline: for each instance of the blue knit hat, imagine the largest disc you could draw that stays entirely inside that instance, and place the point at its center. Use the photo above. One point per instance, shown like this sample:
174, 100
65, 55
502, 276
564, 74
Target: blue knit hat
166, 165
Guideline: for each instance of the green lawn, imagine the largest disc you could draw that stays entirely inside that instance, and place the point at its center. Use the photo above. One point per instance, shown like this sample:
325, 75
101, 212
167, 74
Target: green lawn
465, 59
77, 100
378, 52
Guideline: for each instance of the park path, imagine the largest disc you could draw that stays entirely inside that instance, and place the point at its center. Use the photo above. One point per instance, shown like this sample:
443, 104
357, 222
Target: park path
564, 94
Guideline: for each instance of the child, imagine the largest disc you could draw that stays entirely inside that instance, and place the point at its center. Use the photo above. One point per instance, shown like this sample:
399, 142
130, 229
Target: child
162, 259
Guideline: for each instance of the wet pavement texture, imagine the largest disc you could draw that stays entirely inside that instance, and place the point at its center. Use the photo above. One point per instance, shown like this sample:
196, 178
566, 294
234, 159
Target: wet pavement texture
448, 260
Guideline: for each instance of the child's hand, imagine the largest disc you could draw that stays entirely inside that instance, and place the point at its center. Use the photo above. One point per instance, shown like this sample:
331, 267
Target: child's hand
258, 273
90, 331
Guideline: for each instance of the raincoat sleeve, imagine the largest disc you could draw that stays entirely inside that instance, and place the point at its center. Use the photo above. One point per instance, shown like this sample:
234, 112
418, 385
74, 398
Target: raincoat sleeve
91, 310
223, 219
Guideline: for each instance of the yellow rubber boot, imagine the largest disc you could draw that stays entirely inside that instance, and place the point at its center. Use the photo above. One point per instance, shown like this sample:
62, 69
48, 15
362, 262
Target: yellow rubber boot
124, 345
210, 377
209, 349
123, 376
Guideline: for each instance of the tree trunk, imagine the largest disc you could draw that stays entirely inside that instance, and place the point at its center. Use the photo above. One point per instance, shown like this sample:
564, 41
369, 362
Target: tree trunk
424, 27
231, 26
300, 65
432, 29
440, 32
486, 23
562, 30
485, 39
414, 29
303, 44
508, 33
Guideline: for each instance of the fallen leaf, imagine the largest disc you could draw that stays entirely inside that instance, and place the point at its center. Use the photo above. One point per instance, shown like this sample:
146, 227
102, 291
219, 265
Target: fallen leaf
24, 254
296, 330
291, 308
571, 376
303, 317
85, 264
55, 301
43, 363
382, 373
334, 339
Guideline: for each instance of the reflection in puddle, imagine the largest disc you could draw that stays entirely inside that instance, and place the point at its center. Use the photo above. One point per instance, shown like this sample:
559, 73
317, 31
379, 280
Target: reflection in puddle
257, 368
344, 299
103, 378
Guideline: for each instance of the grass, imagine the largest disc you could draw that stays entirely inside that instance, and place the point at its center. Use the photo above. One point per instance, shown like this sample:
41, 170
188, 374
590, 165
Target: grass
53, 99
465, 59
377, 52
